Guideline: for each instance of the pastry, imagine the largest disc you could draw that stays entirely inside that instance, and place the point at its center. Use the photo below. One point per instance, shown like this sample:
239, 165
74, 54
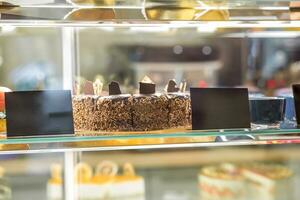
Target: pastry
54, 185
94, 187
104, 184
268, 181
259, 181
128, 185
223, 182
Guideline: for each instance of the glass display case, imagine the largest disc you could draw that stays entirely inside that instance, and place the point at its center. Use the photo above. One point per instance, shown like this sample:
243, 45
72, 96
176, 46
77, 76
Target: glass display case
68, 44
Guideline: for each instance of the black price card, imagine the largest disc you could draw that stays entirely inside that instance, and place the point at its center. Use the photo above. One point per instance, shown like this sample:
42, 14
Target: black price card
39, 113
296, 93
220, 108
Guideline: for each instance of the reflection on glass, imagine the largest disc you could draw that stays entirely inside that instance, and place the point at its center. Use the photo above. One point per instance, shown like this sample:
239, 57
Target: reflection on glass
92, 14
188, 10
267, 112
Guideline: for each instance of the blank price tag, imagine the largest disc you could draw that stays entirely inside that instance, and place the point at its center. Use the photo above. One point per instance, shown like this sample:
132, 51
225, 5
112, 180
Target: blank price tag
39, 113
220, 108
296, 94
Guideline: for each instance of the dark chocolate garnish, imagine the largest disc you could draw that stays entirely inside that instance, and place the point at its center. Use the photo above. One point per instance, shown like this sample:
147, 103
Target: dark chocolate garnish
114, 88
172, 86
147, 88
88, 88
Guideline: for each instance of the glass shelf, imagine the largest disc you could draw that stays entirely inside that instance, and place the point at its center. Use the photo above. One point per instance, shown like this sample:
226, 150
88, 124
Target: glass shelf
158, 139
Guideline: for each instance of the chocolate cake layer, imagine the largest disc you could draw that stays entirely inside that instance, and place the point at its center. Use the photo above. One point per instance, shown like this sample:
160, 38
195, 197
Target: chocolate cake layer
86, 113
131, 113
80, 117
150, 112
116, 112
179, 109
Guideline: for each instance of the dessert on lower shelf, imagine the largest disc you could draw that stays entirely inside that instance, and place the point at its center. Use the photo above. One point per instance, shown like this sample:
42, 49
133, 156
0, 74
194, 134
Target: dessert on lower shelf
5, 188
259, 181
107, 184
223, 182
54, 185
104, 184
268, 181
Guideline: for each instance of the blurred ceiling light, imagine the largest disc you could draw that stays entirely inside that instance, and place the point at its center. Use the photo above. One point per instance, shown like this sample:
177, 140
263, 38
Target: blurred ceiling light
8, 29
206, 50
177, 49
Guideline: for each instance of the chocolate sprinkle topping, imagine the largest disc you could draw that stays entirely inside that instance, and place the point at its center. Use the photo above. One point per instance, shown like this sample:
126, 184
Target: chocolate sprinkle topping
114, 88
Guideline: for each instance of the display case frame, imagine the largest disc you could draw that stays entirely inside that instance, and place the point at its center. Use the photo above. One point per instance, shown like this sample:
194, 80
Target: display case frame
160, 140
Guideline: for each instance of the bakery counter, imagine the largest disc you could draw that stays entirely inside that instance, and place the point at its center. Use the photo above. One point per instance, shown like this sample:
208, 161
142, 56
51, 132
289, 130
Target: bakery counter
99, 141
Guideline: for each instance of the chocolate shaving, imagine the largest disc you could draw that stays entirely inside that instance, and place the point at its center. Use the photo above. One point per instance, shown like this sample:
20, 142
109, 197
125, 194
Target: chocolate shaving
182, 86
97, 86
88, 88
147, 86
114, 88
76, 88
172, 86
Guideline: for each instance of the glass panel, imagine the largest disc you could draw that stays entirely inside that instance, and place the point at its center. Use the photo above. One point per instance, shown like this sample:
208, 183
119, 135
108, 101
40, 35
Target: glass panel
127, 55
28, 60
27, 176
250, 172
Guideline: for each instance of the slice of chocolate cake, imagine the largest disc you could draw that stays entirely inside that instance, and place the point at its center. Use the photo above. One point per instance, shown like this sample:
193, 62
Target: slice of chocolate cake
79, 112
116, 112
85, 112
179, 105
179, 109
113, 112
150, 112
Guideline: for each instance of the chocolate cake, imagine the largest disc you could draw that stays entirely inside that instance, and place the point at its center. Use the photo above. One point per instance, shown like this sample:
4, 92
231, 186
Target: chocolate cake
179, 105
150, 112
80, 117
85, 112
179, 109
140, 112
116, 112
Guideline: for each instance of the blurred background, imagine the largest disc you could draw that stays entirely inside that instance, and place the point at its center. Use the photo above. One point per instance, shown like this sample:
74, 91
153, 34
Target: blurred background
31, 58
